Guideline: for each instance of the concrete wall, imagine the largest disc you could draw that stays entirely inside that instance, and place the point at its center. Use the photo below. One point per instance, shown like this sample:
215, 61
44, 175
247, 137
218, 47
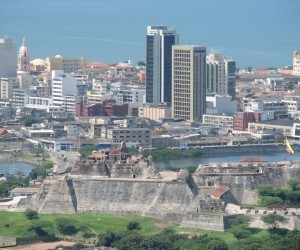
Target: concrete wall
208, 222
7, 241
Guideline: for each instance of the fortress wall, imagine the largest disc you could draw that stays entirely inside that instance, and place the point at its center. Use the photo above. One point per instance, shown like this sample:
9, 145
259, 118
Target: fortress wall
135, 196
207, 222
275, 177
59, 199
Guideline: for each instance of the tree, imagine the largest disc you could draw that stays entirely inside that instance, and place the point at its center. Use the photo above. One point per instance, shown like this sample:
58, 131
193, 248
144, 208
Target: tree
273, 219
43, 228
31, 214
108, 238
134, 225
217, 244
294, 184
86, 151
30, 120
240, 232
141, 63
67, 226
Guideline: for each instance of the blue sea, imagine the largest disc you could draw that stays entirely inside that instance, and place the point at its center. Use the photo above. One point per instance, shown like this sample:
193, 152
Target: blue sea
257, 33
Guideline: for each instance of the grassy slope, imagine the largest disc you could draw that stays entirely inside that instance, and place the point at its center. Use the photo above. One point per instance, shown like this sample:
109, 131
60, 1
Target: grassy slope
101, 223
18, 224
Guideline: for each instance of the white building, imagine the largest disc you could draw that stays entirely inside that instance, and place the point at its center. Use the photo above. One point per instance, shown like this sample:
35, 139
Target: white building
296, 63
7, 86
219, 121
66, 91
8, 58
219, 104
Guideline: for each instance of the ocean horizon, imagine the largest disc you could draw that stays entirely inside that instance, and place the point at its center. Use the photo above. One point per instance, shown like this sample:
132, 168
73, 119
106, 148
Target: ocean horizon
257, 33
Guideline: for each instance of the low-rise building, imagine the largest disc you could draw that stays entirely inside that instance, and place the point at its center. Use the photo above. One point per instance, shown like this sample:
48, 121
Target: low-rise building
155, 112
219, 121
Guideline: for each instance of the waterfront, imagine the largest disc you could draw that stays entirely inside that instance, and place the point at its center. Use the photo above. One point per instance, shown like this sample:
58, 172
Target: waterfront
16, 167
188, 162
257, 33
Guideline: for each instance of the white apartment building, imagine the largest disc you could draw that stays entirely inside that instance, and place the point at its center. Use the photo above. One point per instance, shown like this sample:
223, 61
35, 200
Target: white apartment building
296, 63
8, 58
219, 104
66, 91
219, 121
43, 103
278, 107
7, 85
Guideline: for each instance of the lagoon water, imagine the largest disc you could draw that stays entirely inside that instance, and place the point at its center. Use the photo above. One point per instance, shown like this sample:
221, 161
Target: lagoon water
183, 163
10, 167
259, 33
15, 167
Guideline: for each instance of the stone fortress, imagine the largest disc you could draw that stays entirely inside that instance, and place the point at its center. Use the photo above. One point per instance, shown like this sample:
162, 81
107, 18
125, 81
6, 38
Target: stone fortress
115, 182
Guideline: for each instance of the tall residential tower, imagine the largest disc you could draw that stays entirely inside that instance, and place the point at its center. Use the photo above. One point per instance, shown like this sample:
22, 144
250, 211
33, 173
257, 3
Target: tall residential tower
159, 63
220, 74
188, 82
8, 58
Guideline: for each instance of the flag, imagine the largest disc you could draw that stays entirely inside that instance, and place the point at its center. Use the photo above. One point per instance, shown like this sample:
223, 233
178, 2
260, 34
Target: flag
288, 147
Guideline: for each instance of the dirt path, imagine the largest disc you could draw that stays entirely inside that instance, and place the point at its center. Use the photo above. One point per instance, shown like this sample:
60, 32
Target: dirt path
42, 246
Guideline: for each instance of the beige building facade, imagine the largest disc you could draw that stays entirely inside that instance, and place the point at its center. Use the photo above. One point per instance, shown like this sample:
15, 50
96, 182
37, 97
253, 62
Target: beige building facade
296, 63
188, 82
68, 65
155, 112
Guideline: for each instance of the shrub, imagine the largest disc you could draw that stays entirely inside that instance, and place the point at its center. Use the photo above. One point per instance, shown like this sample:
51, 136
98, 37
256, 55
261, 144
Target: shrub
134, 225
67, 226
31, 214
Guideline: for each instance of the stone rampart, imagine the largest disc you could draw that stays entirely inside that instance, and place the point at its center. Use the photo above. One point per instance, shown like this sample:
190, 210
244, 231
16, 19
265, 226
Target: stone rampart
208, 222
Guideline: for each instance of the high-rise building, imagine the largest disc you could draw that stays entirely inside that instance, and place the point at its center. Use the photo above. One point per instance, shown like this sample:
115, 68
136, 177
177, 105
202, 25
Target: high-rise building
296, 63
220, 74
188, 82
8, 58
23, 60
159, 63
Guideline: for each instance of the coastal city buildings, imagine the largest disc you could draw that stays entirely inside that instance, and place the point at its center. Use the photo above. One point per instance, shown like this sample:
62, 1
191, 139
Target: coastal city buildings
296, 63
160, 40
188, 82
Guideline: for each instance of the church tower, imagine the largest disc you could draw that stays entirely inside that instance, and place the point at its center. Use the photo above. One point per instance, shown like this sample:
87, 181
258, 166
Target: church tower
23, 60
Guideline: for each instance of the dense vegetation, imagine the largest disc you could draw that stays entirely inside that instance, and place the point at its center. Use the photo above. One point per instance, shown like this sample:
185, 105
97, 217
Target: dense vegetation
86, 151
168, 154
289, 196
11, 183
30, 120
135, 232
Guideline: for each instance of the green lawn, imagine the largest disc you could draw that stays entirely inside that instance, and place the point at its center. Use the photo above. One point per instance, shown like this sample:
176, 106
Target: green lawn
99, 223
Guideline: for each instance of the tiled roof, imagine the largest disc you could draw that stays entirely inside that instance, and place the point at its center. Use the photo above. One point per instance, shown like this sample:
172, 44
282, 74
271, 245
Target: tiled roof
218, 191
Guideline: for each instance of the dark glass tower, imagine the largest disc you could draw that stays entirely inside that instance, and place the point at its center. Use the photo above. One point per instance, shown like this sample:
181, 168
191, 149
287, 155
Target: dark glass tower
160, 40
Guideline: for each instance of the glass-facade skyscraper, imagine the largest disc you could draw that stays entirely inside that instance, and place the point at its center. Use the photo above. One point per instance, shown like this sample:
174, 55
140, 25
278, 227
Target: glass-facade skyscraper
160, 40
